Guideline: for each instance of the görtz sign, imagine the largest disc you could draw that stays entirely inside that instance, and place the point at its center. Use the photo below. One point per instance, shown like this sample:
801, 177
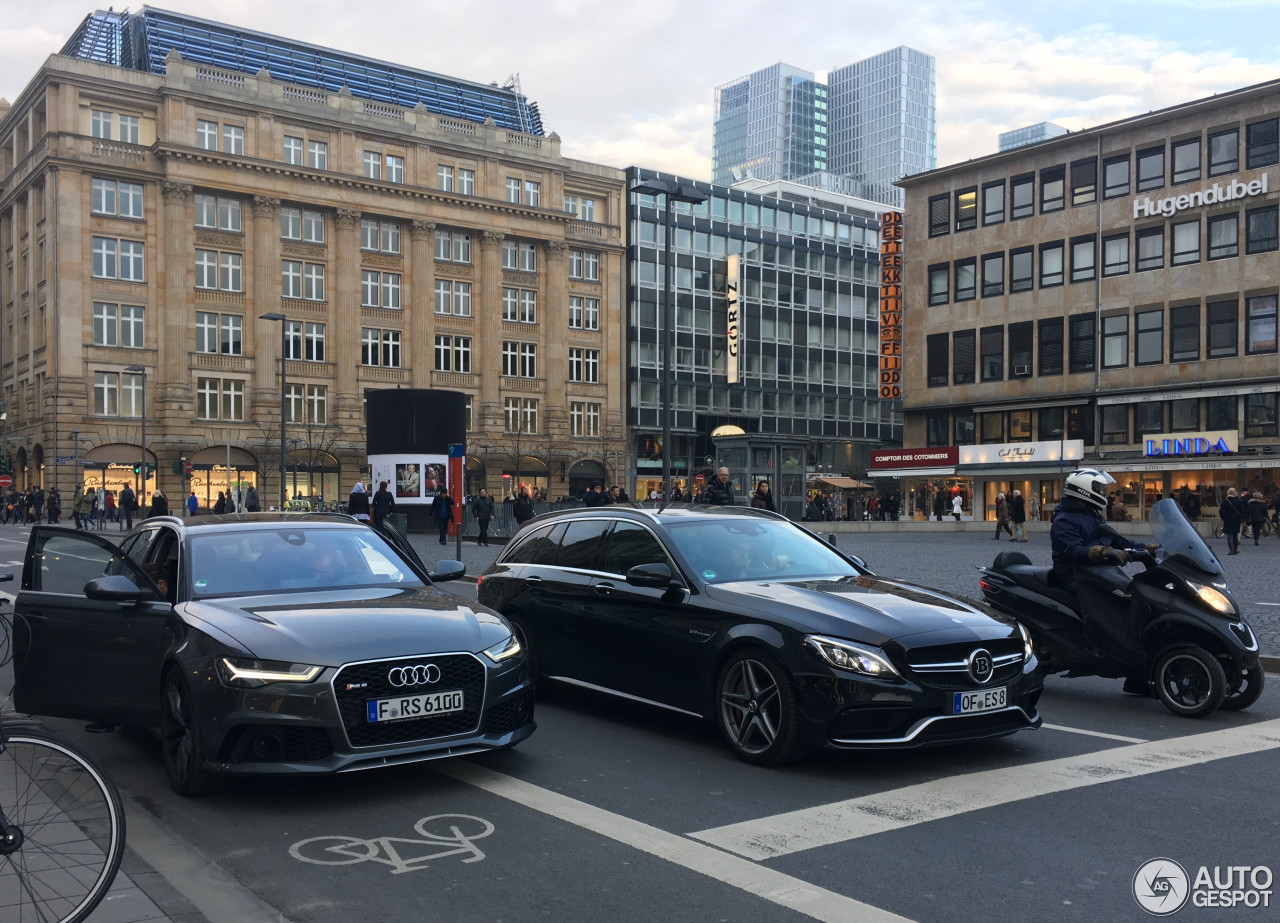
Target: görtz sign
1223, 442
1147, 207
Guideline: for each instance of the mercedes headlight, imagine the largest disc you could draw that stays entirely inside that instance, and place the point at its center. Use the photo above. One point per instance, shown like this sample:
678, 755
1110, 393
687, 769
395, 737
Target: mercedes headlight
1028, 649
1213, 598
856, 658
244, 671
504, 650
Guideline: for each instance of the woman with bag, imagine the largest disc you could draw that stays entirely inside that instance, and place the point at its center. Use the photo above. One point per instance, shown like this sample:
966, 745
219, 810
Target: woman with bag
1232, 513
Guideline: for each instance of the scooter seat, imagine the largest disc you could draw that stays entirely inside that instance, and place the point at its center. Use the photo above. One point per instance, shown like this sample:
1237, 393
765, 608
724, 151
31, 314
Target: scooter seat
1038, 580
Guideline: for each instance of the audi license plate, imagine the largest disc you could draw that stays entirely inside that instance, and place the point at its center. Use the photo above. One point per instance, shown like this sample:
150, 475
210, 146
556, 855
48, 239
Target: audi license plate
967, 703
414, 706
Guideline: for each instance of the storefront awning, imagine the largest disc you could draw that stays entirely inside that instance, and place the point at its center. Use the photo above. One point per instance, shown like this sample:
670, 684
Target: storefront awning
843, 483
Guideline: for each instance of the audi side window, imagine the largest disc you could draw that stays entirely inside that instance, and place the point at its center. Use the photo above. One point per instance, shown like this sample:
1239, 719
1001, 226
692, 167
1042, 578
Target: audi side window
581, 543
67, 564
631, 545
135, 547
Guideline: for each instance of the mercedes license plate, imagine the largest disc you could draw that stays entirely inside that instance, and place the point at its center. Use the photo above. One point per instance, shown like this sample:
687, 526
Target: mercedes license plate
414, 706
967, 703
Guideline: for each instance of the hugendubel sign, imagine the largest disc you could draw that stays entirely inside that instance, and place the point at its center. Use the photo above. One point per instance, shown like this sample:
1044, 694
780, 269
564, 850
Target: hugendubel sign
1218, 193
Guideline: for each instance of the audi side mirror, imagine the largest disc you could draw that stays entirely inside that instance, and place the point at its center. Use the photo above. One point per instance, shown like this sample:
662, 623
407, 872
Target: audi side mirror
115, 588
447, 570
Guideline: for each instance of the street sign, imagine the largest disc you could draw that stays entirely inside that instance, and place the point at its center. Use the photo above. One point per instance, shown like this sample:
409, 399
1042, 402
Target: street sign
66, 459
5, 481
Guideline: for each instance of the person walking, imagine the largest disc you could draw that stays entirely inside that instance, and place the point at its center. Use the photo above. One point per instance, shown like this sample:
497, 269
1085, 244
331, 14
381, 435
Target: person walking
54, 506
1232, 513
1033, 507
193, 504
957, 505
251, 502
482, 510
383, 504
220, 505
37, 498
159, 505
1002, 518
109, 502
442, 511
720, 491
939, 505
1018, 515
522, 509
762, 497
128, 503
358, 503
1257, 510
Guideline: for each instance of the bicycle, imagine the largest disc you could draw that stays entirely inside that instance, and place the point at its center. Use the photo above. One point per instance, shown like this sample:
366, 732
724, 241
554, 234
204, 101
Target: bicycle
62, 824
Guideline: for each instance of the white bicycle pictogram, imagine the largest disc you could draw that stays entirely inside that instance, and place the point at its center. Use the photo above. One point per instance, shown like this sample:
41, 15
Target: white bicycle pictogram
462, 830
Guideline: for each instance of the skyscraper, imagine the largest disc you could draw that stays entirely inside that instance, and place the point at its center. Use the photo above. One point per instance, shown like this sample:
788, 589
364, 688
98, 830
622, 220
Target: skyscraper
869, 125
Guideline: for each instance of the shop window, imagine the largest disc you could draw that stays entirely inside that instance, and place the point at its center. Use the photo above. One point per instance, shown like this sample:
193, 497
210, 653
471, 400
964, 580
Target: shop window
966, 209
1021, 338
1224, 152
1115, 424
963, 428
1052, 189
1260, 414
1021, 277
936, 429
1149, 337
1148, 420
1224, 333
1221, 413
1151, 168
936, 350
1115, 177
1186, 161
991, 428
1083, 344
1022, 196
1051, 346
963, 344
1184, 415
1051, 264
1115, 341
1260, 316
1084, 182
993, 203
992, 353
939, 215
1184, 333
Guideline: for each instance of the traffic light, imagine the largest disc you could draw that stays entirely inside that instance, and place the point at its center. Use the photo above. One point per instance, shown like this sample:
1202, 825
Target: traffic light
5, 465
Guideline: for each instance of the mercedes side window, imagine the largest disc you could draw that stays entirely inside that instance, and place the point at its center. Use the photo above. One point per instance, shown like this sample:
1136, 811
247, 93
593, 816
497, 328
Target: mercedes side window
539, 547
580, 546
630, 545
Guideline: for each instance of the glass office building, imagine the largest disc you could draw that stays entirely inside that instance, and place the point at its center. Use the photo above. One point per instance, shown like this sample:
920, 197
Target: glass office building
771, 125
807, 394
1031, 134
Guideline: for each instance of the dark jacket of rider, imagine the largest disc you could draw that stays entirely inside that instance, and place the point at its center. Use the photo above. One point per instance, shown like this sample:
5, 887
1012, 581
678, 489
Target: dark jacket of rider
1077, 527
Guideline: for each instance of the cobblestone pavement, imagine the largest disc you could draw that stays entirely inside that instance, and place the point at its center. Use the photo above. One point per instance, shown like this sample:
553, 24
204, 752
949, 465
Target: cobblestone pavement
949, 562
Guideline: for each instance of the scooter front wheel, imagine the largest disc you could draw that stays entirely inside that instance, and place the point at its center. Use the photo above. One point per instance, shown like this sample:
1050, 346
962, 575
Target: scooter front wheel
1190, 682
1245, 690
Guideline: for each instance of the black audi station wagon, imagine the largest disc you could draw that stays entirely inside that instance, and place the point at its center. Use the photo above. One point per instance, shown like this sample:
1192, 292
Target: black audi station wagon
745, 618
265, 644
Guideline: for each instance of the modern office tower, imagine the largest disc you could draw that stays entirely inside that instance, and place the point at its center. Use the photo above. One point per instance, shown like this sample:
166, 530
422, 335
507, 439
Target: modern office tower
1031, 134
771, 125
166, 181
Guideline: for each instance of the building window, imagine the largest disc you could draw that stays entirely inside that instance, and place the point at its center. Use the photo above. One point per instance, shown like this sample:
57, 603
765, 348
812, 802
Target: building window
100, 124
936, 345
1184, 416
1021, 269
317, 155
1115, 255
1022, 196
1148, 329
520, 415
383, 236
380, 347
293, 151
992, 275
990, 428
939, 215
1084, 182
584, 419
1221, 413
1151, 168
1051, 264
453, 353
395, 169
453, 298
218, 213
1082, 343
1224, 237
584, 313
965, 279
992, 353
219, 399
584, 265
993, 203
1148, 419
1052, 189
372, 165
1115, 424
1260, 144
519, 257
963, 428
936, 429
313, 281
939, 278
453, 246
1115, 177
116, 198
290, 279
1115, 341
1050, 346
966, 209
117, 259
1260, 230
520, 305
963, 352
1260, 317
519, 360
513, 190
1020, 345
1186, 243
444, 178
584, 365
1223, 329
379, 289
304, 341
1084, 257
117, 325
1224, 152
222, 334
307, 404
532, 193
117, 394
130, 129
206, 135
1184, 333
1186, 161
219, 271
1260, 413
1150, 247
467, 182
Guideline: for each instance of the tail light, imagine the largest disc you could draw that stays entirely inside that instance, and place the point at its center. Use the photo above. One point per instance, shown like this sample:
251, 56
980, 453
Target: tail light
479, 581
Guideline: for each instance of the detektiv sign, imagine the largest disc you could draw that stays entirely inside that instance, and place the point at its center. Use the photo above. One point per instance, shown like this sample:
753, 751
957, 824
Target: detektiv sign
891, 306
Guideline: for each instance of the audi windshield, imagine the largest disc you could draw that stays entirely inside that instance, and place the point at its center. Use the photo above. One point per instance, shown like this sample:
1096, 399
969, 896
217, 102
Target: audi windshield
260, 561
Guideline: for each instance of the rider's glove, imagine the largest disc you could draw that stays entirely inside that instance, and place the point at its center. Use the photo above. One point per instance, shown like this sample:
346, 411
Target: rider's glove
1099, 554
1151, 549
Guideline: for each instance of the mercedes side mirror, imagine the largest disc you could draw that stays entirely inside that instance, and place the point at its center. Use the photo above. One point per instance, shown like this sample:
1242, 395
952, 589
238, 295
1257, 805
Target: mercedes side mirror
653, 577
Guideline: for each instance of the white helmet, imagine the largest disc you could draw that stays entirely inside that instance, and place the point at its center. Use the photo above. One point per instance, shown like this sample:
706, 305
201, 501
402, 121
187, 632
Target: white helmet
1089, 486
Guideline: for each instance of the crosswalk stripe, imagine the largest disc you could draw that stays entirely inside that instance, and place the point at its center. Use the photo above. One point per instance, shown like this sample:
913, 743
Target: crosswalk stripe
824, 825
1088, 733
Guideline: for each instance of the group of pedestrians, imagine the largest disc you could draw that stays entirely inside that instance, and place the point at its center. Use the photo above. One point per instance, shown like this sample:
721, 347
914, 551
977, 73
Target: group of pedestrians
1011, 516
23, 507
1250, 508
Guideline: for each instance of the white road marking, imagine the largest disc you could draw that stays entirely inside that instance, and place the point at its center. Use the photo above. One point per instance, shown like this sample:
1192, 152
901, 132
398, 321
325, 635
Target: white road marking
1266, 604
823, 825
1070, 730
783, 890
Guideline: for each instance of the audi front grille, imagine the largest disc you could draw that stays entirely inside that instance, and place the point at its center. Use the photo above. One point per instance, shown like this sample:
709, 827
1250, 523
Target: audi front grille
370, 681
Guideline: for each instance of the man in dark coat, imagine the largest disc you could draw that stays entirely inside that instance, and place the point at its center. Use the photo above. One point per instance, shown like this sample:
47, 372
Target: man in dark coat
595, 495
522, 509
482, 510
128, 502
1077, 529
1232, 512
442, 510
1257, 509
720, 492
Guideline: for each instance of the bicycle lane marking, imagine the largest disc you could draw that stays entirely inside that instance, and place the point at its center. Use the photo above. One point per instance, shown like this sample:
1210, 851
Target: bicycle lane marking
353, 850
775, 887
841, 821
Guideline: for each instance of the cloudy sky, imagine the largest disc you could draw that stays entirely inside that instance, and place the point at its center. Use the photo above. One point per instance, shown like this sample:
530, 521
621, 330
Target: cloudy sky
627, 84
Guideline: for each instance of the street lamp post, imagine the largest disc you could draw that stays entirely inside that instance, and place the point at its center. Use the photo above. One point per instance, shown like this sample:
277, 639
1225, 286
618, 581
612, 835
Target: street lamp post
672, 191
75, 456
142, 470
284, 332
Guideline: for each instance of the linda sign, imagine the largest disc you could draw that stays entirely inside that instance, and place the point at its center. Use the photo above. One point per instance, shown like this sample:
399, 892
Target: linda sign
1147, 207
1224, 442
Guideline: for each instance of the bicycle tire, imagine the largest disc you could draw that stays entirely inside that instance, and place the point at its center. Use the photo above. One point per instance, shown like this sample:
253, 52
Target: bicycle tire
73, 827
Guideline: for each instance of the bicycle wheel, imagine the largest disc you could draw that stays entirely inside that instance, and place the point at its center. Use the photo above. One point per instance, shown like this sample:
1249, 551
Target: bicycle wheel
70, 830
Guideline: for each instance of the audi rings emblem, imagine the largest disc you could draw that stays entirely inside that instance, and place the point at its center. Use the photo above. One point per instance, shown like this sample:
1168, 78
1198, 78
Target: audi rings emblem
980, 666
415, 675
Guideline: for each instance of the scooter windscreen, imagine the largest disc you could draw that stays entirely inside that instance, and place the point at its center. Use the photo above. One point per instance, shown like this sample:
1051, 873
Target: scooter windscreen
1179, 539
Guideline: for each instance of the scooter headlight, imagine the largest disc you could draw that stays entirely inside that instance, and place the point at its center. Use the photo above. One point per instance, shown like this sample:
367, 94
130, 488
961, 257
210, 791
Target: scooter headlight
1213, 598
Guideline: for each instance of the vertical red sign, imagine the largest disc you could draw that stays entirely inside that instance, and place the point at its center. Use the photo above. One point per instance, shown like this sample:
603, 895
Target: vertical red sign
891, 306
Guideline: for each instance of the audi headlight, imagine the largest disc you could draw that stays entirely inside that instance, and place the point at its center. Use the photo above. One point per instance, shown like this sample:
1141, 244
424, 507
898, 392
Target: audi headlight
1028, 649
243, 671
1213, 598
856, 658
504, 651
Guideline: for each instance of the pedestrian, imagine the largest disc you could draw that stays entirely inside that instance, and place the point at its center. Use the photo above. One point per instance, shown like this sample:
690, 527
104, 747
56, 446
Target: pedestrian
1257, 510
482, 510
1002, 518
358, 503
159, 505
54, 506
522, 509
677, 496
193, 505
128, 504
442, 510
383, 504
109, 502
1232, 513
762, 497
957, 504
1033, 507
251, 502
1111, 504
719, 491
594, 495
220, 505
939, 505
37, 499
1018, 515
90, 505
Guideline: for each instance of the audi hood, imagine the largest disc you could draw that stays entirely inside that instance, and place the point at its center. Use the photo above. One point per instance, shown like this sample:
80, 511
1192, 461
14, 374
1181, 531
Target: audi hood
869, 609
342, 626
